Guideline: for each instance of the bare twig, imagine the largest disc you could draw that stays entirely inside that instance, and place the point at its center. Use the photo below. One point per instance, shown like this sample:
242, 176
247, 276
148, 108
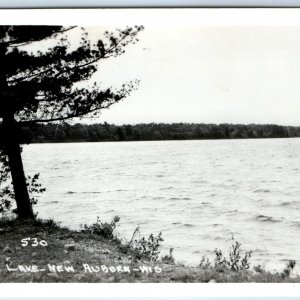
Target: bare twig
135, 231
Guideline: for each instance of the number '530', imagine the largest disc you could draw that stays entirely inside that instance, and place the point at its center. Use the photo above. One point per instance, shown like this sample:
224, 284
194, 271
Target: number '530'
34, 242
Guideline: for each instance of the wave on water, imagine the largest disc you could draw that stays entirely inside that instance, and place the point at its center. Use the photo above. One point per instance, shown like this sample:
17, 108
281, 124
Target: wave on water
184, 225
217, 238
257, 205
231, 212
180, 198
199, 181
212, 195
189, 225
295, 224
262, 191
150, 163
286, 203
294, 204
262, 218
91, 192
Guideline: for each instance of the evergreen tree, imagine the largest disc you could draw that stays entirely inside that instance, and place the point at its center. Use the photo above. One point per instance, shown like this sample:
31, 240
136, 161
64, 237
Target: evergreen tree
38, 85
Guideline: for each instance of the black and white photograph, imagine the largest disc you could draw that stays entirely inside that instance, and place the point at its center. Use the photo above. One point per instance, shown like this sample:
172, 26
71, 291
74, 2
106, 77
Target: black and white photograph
150, 146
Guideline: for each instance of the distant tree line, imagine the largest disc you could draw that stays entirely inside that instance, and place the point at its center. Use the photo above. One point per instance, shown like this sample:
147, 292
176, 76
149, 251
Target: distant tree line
53, 133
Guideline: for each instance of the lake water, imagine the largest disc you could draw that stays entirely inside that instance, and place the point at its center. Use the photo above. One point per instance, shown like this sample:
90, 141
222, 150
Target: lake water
198, 193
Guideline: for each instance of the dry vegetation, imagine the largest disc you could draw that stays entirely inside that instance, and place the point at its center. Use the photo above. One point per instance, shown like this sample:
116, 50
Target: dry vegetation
68, 249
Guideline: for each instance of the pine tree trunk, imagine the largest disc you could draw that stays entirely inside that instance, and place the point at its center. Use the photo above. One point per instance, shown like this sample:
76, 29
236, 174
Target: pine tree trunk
13, 151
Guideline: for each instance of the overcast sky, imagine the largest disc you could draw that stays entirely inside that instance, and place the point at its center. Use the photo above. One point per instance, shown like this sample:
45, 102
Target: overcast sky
201, 66
209, 74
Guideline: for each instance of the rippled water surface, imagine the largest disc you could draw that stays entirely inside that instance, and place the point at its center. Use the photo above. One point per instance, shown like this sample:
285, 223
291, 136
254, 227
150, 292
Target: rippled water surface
198, 193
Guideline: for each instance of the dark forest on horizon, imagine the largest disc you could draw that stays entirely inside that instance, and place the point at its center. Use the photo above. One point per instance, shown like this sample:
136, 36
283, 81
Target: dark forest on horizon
59, 133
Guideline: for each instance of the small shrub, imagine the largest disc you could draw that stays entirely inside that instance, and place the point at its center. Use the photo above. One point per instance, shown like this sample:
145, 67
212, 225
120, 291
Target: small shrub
287, 271
34, 187
50, 223
235, 261
6, 192
5, 203
148, 248
259, 269
169, 258
220, 260
105, 230
7, 195
205, 263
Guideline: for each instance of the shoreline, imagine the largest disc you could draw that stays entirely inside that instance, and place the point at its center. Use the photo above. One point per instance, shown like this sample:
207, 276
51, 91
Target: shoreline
42, 251
165, 140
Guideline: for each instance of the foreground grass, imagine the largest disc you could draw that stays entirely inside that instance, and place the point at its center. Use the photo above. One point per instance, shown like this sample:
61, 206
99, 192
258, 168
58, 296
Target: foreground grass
68, 251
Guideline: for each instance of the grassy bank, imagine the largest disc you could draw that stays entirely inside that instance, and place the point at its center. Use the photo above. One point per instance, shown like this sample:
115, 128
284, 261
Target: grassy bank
57, 254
